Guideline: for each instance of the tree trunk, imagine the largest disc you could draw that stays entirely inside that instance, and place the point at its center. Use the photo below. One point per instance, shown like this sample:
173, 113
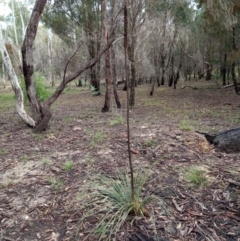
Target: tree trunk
15, 84
226, 141
153, 86
224, 69
131, 54
50, 59
209, 73
108, 74
27, 56
113, 56
234, 65
44, 110
115, 79
3, 75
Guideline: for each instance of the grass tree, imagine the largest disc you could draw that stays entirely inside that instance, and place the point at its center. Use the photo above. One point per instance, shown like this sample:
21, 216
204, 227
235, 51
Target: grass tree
112, 201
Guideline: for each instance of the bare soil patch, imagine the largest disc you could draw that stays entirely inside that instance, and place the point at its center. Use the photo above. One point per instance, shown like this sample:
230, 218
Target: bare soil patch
39, 198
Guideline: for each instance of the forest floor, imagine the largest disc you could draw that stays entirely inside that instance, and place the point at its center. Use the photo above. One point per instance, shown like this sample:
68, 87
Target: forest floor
42, 175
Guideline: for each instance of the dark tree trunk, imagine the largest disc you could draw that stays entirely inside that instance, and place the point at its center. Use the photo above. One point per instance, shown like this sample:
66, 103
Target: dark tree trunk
228, 75
163, 78
200, 74
153, 86
28, 63
209, 73
94, 80
108, 73
224, 69
131, 55
234, 65
114, 75
170, 81
176, 79
226, 141
79, 84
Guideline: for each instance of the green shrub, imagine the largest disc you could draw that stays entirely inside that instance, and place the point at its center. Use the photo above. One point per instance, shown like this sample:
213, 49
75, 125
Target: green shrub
42, 92
197, 177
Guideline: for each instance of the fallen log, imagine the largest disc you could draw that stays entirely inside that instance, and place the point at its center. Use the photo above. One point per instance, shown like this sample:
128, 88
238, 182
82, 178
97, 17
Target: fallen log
227, 141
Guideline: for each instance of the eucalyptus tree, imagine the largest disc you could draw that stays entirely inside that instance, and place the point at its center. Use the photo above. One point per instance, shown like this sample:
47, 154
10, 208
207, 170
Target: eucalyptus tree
136, 19
108, 73
17, 20
224, 15
41, 111
75, 20
170, 36
14, 82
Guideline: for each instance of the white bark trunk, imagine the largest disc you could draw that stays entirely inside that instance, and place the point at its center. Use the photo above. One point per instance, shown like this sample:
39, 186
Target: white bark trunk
3, 76
14, 24
15, 84
23, 25
51, 75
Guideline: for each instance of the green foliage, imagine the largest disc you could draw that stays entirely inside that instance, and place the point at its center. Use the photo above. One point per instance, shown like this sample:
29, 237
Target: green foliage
186, 125
96, 138
118, 120
197, 177
45, 162
4, 152
109, 200
68, 165
42, 92
150, 143
55, 184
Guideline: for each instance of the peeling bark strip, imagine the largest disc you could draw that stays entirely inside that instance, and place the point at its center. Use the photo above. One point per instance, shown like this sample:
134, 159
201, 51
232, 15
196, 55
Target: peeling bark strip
227, 141
15, 84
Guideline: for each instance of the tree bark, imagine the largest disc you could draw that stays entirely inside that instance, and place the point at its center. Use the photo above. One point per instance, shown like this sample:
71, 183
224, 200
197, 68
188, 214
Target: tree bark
108, 73
15, 84
224, 69
115, 78
27, 57
131, 55
234, 63
227, 141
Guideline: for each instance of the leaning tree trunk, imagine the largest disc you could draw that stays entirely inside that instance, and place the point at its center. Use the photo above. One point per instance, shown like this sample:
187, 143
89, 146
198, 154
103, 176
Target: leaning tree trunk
227, 141
15, 84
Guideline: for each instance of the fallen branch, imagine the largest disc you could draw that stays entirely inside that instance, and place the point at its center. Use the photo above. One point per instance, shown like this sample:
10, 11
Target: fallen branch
189, 87
228, 86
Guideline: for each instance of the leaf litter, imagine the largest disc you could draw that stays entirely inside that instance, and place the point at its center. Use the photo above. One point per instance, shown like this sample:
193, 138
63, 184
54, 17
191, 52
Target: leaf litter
39, 199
